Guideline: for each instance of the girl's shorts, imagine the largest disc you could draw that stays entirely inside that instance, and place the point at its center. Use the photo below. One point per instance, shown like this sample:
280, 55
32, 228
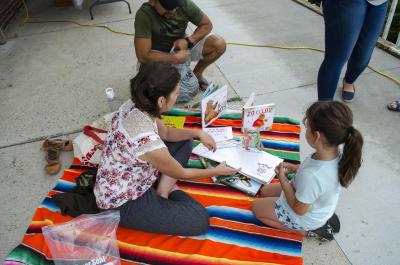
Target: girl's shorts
284, 217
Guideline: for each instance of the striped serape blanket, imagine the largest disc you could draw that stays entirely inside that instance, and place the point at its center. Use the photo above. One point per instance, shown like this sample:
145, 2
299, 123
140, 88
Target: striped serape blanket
234, 236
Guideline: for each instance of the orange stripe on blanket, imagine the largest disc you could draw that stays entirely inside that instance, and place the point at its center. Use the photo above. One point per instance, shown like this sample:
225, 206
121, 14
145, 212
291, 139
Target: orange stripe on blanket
194, 251
238, 226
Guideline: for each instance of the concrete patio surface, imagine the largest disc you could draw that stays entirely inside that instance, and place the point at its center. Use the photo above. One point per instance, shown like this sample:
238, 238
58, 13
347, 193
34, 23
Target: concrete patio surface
52, 81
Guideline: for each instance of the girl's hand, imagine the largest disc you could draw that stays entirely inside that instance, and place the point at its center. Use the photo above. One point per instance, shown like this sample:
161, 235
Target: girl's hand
290, 168
223, 170
208, 141
281, 171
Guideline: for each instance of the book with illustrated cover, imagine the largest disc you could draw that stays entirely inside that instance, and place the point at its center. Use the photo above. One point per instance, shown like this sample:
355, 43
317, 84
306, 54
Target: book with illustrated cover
173, 121
257, 117
237, 181
213, 104
255, 164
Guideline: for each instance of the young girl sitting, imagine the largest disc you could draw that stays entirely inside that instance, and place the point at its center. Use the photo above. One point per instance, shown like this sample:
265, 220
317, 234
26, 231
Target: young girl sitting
306, 204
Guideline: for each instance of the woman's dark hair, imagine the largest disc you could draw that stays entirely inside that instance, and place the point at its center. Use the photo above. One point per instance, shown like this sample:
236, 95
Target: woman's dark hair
335, 121
154, 80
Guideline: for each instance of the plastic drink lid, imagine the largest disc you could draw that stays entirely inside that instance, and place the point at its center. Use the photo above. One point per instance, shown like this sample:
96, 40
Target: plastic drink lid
110, 93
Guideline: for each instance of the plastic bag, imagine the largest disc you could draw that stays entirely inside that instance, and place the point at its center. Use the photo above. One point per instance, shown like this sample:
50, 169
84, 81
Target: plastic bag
189, 85
86, 240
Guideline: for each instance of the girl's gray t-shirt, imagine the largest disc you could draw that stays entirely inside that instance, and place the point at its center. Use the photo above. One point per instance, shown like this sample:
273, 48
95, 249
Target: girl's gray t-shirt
376, 2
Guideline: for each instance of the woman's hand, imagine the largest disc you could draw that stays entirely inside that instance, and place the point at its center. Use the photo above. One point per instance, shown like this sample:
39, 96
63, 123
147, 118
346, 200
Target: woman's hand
207, 141
223, 170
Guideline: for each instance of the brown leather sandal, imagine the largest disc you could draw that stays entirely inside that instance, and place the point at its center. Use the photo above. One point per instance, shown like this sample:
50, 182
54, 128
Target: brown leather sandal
57, 144
53, 161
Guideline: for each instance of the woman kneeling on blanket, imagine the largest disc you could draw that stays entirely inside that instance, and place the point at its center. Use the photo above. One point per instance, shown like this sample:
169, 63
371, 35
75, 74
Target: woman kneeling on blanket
306, 204
139, 150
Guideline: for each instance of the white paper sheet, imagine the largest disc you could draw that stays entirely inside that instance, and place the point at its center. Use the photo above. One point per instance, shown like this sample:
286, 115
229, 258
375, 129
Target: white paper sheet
220, 133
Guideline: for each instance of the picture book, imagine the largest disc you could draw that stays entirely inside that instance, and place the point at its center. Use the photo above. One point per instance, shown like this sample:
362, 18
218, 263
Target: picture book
257, 117
237, 181
253, 163
219, 133
213, 104
173, 121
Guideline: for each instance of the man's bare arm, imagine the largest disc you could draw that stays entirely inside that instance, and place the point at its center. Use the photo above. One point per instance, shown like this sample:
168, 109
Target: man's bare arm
145, 54
203, 29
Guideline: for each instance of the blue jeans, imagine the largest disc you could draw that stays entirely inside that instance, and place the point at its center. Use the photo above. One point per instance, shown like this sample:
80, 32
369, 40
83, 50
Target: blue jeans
352, 28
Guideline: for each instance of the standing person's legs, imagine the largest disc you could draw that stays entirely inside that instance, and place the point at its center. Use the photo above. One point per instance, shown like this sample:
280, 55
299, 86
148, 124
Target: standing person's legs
207, 52
181, 152
180, 214
343, 23
366, 42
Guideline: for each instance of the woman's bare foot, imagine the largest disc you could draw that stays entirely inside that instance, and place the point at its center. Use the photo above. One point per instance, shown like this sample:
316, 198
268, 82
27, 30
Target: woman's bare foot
165, 186
174, 188
348, 87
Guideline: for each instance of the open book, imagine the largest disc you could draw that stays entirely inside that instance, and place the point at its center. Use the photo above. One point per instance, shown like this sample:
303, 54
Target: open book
257, 117
237, 181
254, 164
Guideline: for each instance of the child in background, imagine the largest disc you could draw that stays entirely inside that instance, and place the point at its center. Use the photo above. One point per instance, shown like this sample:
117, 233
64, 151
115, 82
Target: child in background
306, 204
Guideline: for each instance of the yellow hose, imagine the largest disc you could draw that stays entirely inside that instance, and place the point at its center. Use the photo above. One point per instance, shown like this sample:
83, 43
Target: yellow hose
26, 20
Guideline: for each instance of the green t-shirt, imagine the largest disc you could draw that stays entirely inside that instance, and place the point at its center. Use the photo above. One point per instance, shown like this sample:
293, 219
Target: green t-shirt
162, 31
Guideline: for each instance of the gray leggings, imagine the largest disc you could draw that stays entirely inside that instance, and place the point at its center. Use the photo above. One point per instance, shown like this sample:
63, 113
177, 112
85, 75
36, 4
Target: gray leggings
180, 214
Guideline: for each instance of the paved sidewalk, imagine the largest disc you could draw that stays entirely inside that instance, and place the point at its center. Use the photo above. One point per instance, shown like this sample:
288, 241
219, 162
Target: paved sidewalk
52, 81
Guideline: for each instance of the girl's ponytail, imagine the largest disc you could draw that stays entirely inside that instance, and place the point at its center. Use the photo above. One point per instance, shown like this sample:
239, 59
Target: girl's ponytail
351, 158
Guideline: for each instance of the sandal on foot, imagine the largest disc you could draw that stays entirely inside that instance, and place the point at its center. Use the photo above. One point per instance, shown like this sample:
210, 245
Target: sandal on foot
203, 84
53, 161
57, 144
394, 105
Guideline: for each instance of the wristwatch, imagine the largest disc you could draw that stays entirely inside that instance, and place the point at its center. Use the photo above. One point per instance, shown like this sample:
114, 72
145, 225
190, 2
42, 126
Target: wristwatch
189, 43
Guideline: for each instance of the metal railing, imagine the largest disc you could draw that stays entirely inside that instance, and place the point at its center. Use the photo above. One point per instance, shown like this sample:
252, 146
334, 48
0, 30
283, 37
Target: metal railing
388, 24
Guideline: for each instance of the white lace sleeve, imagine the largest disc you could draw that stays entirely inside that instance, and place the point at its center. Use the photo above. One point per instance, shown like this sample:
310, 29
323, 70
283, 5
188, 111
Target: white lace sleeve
141, 131
146, 143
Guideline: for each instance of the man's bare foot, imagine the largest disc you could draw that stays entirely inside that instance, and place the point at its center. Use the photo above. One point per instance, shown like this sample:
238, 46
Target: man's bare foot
203, 83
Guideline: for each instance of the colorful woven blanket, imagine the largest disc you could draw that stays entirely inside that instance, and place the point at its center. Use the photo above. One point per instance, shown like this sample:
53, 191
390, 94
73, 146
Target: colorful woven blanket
234, 237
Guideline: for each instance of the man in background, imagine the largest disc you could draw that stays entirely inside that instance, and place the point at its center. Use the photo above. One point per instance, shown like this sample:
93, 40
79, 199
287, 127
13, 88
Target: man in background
160, 35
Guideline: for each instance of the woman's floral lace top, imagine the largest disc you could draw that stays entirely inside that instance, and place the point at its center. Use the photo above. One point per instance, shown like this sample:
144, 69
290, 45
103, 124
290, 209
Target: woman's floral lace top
122, 175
